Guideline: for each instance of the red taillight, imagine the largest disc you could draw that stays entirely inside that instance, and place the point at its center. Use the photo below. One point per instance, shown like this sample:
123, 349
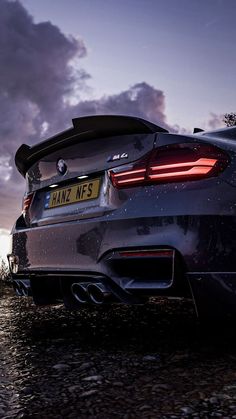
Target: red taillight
181, 162
129, 176
191, 168
26, 203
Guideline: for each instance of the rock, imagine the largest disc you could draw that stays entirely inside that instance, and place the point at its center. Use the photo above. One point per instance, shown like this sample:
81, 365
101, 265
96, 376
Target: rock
151, 358
213, 400
93, 378
85, 366
144, 407
163, 386
60, 367
187, 410
118, 384
73, 389
88, 393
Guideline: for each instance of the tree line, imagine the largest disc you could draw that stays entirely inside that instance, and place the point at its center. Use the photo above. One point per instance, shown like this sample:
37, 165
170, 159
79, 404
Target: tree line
230, 119
5, 275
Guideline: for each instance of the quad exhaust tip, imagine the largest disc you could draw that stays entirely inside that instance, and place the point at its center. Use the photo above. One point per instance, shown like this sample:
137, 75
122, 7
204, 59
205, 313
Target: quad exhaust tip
79, 291
97, 293
90, 293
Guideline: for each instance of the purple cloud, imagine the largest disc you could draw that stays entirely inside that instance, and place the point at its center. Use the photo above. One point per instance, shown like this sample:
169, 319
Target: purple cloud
140, 100
37, 77
215, 121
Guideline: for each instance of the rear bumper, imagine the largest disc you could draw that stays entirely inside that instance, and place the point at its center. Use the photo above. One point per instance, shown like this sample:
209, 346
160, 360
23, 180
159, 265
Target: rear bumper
71, 251
206, 243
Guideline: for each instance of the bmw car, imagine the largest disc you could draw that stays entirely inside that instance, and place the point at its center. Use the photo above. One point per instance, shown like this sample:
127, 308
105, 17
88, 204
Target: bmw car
117, 210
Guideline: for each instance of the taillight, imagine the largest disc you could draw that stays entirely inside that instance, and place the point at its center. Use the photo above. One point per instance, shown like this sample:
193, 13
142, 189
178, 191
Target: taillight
26, 203
173, 163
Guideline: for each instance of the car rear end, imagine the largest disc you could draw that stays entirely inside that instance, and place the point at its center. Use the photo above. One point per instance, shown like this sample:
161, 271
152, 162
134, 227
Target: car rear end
117, 210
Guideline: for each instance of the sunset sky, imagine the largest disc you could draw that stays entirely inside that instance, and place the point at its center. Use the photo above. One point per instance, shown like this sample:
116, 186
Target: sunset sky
170, 61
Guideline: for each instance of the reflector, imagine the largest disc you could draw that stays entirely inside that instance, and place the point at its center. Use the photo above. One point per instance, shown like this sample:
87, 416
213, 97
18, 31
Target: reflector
26, 203
147, 253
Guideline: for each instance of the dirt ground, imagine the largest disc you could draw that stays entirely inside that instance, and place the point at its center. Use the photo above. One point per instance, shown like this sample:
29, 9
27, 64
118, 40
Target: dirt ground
152, 361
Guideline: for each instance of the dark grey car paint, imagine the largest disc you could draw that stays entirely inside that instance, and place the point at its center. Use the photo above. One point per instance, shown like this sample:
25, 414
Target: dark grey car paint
196, 219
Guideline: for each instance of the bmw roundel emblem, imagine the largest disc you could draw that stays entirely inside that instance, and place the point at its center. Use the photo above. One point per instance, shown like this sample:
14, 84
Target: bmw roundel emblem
61, 167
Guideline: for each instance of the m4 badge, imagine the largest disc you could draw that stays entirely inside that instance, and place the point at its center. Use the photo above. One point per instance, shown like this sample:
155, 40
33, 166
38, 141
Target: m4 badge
118, 157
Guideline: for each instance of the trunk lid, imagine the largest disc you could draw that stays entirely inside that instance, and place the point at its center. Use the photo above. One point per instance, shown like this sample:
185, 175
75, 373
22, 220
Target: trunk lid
76, 163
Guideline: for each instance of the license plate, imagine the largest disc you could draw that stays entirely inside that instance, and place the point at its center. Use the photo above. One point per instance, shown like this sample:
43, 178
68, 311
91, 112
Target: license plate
83, 191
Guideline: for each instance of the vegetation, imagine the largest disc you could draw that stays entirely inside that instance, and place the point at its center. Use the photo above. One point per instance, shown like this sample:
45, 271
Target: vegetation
230, 119
5, 275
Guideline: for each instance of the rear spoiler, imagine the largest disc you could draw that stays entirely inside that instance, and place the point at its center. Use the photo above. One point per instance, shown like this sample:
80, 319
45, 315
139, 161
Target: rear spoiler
85, 128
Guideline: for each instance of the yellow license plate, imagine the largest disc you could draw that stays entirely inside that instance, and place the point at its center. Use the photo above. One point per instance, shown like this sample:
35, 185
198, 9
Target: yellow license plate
82, 191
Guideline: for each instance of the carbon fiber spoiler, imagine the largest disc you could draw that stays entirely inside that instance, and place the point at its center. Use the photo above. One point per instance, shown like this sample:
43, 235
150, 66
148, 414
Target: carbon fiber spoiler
84, 129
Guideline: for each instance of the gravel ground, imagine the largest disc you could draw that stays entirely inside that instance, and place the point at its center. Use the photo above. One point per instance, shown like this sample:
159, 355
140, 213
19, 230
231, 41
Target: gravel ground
151, 361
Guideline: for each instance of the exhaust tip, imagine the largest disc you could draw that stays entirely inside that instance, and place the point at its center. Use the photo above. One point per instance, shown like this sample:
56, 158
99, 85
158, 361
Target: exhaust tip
96, 293
80, 293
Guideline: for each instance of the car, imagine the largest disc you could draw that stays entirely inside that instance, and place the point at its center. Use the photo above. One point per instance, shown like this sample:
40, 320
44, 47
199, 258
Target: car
118, 210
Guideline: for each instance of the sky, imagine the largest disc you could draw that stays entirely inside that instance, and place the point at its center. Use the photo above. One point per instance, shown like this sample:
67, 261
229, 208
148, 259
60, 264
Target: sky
170, 61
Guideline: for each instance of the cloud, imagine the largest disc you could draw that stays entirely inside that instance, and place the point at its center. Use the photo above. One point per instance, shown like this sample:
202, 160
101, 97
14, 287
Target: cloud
215, 121
36, 76
35, 73
39, 72
140, 100
5, 168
